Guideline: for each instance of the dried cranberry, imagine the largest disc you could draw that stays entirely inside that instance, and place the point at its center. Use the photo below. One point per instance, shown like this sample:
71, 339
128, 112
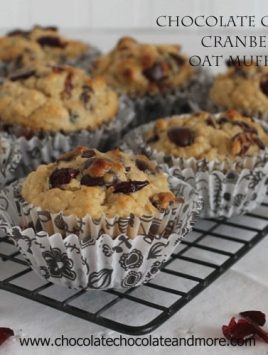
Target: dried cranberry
258, 142
255, 316
62, 176
244, 126
238, 330
155, 73
68, 85
23, 75
131, 186
51, 41
178, 59
5, 333
92, 181
264, 85
211, 122
181, 136
88, 153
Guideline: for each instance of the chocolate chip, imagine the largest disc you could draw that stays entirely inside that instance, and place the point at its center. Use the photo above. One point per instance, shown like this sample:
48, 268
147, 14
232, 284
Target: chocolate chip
153, 139
62, 176
128, 168
88, 153
264, 86
155, 73
85, 95
181, 136
92, 181
22, 75
223, 120
143, 165
51, 41
131, 186
178, 59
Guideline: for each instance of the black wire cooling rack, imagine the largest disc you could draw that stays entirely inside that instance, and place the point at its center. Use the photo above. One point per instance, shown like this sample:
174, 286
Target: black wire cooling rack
212, 247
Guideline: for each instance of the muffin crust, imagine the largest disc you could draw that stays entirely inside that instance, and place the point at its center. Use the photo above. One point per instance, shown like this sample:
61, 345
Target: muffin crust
85, 181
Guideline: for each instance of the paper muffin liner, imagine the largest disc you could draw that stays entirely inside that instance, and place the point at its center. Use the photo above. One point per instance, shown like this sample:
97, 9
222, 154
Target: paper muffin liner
10, 158
46, 148
183, 100
226, 188
86, 61
95, 261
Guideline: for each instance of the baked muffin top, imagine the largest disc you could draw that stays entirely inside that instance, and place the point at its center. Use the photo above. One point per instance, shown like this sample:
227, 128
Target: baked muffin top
243, 88
137, 68
56, 98
85, 181
224, 136
39, 43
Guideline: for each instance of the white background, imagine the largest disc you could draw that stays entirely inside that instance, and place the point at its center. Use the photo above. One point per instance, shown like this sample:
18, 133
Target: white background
113, 14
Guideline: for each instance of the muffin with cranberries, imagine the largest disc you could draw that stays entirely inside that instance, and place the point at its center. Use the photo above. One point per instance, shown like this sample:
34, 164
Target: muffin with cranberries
243, 87
157, 77
60, 105
224, 155
22, 48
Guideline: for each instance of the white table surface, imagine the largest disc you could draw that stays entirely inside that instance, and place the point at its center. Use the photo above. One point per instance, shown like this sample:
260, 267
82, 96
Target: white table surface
243, 287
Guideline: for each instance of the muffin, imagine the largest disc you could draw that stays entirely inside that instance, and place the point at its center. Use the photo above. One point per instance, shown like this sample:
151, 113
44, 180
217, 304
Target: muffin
20, 49
48, 102
158, 78
242, 87
99, 220
223, 155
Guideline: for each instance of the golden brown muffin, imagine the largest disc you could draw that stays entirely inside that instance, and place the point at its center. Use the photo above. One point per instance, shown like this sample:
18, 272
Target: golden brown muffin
138, 69
85, 181
223, 136
243, 88
56, 98
22, 48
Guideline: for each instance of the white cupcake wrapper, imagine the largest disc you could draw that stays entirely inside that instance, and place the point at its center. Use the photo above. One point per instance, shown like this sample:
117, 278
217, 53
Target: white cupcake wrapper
183, 100
226, 188
86, 61
91, 263
44, 150
10, 158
